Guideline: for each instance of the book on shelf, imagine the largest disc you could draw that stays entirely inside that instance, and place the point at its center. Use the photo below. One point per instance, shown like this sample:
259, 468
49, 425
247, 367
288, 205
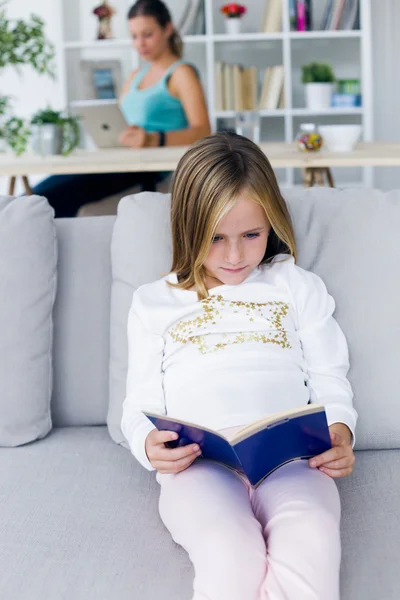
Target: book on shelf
192, 21
350, 16
340, 14
272, 88
272, 20
256, 450
236, 87
219, 87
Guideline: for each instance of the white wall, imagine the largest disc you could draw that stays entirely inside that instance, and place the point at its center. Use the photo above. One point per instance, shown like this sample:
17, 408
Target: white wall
34, 92
386, 52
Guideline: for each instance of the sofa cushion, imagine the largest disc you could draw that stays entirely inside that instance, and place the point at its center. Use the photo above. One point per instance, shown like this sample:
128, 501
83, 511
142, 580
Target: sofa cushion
140, 252
28, 257
79, 518
350, 238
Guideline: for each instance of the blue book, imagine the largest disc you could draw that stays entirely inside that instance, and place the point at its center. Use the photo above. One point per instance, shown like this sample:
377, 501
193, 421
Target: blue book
258, 449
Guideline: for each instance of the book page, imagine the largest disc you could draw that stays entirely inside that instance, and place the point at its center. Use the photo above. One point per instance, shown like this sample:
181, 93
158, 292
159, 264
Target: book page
271, 420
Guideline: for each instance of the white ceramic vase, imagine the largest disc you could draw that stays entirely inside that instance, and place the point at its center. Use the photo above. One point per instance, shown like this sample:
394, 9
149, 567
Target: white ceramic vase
318, 95
232, 25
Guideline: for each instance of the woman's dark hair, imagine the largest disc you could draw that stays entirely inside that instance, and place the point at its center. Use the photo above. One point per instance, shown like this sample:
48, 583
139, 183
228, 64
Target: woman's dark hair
158, 10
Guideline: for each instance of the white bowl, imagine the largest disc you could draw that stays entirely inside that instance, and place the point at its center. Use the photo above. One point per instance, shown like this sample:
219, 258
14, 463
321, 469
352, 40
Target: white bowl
340, 138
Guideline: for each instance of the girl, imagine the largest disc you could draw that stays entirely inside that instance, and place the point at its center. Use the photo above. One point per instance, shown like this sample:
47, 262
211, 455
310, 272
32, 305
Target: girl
237, 331
162, 101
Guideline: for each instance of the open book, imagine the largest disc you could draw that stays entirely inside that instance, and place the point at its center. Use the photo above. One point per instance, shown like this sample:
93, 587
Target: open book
260, 448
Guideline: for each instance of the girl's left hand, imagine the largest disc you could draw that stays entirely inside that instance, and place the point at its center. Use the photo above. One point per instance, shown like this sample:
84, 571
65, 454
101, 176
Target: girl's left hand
339, 460
133, 137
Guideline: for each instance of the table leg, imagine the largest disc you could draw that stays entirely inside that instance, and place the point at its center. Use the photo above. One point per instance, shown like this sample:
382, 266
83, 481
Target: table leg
308, 177
11, 185
27, 187
330, 177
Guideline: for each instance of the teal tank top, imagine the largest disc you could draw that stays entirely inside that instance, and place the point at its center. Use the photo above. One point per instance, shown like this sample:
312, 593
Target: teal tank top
154, 108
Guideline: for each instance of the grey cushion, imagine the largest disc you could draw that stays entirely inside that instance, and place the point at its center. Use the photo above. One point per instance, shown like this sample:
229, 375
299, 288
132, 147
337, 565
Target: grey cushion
28, 260
140, 252
79, 520
82, 321
351, 239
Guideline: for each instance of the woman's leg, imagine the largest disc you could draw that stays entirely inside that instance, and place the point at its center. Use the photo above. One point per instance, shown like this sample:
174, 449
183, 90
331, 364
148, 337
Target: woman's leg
207, 511
299, 510
67, 193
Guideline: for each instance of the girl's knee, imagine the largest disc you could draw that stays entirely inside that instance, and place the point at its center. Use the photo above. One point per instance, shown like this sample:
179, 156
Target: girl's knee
227, 565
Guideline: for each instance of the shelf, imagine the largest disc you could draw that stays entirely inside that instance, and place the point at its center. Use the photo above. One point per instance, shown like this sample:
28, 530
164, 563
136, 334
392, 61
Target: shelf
123, 42
223, 37
228, 114
295, 112
321, 34
300, 112
246, 37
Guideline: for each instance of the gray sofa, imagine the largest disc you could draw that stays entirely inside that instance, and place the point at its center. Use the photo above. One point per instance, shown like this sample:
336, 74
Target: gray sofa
78, 515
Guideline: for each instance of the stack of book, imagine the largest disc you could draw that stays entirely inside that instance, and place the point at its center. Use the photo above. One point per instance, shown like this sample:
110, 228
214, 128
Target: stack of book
192, 21
340, 14
337, 14
237, 87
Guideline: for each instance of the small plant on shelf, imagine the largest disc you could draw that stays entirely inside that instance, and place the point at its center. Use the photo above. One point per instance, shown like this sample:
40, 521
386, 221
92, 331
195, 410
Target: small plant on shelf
232, 13
233, 10
318, 79
104, 12
317, 73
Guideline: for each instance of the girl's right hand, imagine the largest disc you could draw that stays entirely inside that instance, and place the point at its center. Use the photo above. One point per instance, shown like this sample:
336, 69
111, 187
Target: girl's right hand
169, 460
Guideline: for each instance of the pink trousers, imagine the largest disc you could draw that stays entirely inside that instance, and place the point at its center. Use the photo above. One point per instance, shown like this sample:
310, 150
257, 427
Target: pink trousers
280, 541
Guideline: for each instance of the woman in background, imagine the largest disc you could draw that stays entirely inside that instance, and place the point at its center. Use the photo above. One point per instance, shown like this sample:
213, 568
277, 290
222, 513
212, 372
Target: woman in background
162, 101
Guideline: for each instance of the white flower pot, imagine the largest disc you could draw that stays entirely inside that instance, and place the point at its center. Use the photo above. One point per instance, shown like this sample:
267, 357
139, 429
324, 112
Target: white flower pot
232, 25
318, 95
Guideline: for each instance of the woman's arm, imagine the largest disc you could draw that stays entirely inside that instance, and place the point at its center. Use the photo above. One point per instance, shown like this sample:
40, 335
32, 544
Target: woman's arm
144, 390
185, 85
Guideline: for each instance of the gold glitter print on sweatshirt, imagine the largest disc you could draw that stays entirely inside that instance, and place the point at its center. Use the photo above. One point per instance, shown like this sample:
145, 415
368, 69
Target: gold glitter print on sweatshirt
214, 310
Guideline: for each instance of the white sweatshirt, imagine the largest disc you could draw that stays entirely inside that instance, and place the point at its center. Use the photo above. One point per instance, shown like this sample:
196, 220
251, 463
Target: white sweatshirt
249, 350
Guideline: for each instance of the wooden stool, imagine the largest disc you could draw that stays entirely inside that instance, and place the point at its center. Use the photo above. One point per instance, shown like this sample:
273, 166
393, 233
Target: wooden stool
11, 185
315, 175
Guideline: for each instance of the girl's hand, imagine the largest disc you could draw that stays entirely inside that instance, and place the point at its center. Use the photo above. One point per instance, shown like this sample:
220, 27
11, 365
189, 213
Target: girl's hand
169, 460
133, 137
339, 460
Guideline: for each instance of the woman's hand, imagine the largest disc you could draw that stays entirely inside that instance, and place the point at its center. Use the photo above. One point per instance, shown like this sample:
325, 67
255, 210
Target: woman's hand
339, 460
169, 460
133, 137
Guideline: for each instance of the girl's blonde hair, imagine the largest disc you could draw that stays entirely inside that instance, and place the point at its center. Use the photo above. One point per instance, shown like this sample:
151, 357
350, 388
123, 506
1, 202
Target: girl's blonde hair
205, 187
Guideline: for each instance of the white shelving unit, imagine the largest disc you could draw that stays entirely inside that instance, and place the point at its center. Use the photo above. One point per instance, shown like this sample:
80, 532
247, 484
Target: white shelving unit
349, 52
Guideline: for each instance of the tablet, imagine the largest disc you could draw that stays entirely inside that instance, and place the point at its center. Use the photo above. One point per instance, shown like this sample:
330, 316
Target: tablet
103, 121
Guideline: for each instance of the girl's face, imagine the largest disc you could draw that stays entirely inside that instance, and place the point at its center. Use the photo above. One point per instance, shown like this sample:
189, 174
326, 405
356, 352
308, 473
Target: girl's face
239, 243
149, 39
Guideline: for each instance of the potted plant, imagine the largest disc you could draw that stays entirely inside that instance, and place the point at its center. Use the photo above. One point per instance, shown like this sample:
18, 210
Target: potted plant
104, 12
53, 133
14, 132
232, 13
22, 42
318, 79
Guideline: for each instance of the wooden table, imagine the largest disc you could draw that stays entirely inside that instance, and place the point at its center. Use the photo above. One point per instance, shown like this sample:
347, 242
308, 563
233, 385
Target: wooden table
121, 160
